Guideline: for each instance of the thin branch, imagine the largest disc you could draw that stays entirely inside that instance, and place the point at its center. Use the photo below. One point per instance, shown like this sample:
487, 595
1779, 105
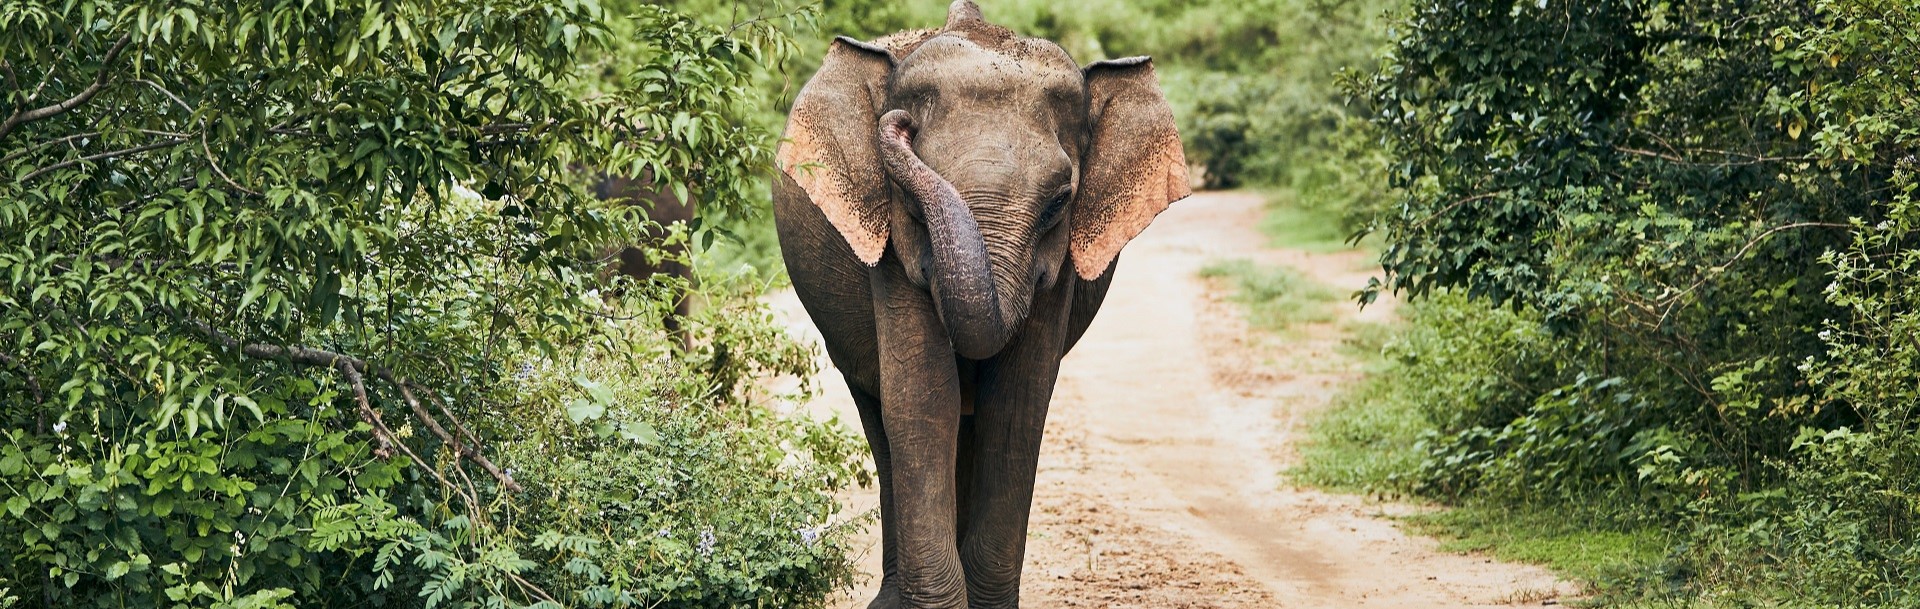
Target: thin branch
163, 91
1657, 155
372, 417
101, 157
30, 149
1673, 301
23, 117
205, 148
1750, 158
736, 27
468, 449
1452, 206
316, 357
381, 435
13, 78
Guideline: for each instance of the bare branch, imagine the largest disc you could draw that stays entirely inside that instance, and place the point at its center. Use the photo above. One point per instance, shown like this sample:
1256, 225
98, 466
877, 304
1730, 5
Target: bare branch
101, 157
208, 150
1674, 158
13, 79
469, 449
1657, 155
163, 91
381, 435
22, 117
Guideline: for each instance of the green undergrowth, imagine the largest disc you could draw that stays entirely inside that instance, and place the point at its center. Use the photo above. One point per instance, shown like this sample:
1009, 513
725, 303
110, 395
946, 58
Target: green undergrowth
1377, 439
1277, 298
1364, 440
1616, 564
1291, 224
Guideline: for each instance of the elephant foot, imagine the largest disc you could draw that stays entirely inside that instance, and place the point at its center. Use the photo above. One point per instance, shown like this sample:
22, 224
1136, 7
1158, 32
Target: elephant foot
889, 597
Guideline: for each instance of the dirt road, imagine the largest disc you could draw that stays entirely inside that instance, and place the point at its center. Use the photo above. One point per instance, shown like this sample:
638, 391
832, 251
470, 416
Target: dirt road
1161, 483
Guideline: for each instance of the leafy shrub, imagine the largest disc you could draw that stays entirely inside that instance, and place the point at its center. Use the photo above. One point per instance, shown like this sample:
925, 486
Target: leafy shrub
1701, 213
300, 306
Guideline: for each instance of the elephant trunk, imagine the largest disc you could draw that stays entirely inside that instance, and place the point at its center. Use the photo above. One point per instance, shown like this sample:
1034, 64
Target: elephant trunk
963, 285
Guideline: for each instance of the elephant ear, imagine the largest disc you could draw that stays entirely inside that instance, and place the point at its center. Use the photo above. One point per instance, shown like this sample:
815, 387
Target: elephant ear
1134, 165
831, 147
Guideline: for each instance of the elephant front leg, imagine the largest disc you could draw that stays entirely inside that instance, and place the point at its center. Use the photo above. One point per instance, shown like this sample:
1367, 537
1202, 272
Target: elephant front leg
1009, 420
920, 409
876, 432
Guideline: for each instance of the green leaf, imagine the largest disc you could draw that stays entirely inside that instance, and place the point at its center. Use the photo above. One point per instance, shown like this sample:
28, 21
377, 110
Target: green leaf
640, 432
581, 410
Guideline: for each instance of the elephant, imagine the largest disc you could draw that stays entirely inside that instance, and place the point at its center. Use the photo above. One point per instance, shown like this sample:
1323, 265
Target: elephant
631, 260
950, 205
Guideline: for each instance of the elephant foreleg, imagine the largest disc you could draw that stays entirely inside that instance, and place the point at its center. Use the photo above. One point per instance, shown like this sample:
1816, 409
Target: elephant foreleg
876, 432
920, 404
1015, 389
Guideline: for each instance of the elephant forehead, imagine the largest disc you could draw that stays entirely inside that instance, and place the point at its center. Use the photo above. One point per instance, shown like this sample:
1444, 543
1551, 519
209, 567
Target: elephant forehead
956, 60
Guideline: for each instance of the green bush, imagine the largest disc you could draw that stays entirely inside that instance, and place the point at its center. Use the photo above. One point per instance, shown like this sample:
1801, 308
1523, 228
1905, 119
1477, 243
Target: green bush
300, 305
1686, 231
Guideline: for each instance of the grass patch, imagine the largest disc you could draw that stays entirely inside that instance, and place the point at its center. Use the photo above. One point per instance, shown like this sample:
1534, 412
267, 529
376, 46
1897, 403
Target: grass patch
1288, 223
1363, 442
1621, 565
1369, 440
1294, 222
1277, 298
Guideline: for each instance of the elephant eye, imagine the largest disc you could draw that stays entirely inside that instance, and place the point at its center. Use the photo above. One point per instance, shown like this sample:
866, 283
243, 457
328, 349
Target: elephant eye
1051, 213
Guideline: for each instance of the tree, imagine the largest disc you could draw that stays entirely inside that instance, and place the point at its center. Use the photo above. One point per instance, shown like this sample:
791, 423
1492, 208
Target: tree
285, 289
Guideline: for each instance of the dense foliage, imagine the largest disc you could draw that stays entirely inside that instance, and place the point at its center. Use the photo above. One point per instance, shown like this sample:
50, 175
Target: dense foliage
1670, 248
300, 304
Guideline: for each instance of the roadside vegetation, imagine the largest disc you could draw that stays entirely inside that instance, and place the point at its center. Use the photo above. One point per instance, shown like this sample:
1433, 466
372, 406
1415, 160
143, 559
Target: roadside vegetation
303, 304
1661, 259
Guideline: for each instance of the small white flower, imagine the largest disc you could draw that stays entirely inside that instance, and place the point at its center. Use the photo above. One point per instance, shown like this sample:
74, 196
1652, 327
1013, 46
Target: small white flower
809, 535
1542, 4
663, 532
60, 427
706, 542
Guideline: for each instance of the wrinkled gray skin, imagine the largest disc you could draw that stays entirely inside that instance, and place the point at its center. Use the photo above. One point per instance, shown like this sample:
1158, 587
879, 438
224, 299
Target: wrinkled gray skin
951, 343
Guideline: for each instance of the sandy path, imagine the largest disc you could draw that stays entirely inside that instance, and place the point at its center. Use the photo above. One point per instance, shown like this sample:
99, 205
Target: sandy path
1161, 483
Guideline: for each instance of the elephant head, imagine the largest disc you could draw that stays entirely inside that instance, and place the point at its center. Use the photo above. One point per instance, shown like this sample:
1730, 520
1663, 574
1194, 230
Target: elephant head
987, 160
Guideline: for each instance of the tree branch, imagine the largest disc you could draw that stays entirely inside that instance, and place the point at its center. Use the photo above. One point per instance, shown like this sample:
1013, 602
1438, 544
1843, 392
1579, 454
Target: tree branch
22, 117
30, 149
101, 157
353, 368
1452, 206
1669, 303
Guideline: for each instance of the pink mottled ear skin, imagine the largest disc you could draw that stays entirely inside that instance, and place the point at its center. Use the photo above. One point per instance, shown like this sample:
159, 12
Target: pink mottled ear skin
822, 171
1135, 164
830, 148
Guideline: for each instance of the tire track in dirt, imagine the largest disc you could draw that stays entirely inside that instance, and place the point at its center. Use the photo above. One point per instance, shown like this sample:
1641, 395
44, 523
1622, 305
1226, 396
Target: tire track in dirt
1161, 482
